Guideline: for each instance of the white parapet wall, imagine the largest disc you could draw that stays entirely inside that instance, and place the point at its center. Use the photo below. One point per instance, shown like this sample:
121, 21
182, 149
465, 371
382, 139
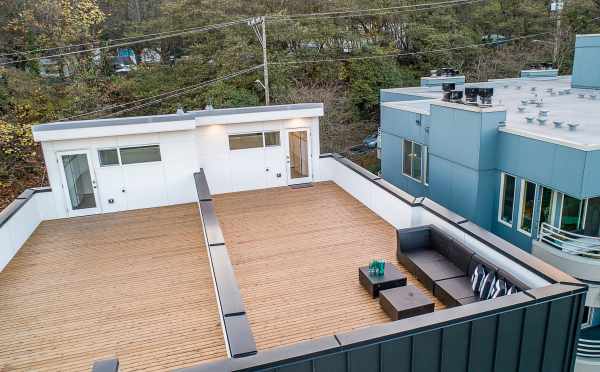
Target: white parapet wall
20, 219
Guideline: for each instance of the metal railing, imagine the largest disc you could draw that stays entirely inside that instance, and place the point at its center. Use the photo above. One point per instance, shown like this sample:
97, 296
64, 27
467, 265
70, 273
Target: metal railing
589, 343
569, 242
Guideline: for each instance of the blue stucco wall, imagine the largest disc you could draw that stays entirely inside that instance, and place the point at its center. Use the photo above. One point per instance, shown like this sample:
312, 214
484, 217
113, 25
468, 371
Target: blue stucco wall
558, 167
434, 82
586, 73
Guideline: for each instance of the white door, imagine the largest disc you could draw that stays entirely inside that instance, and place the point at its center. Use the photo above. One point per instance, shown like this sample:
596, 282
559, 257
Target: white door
298, 156
79, 183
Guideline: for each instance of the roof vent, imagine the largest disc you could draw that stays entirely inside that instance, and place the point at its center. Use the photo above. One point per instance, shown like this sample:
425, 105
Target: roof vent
572, 126
485, 95
456, 96
445, 72
471, 95
558, 124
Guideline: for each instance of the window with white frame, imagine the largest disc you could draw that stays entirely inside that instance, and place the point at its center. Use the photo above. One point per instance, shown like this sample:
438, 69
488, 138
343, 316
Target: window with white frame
507, 199
527, 206
129, 155
415, 161
254, 140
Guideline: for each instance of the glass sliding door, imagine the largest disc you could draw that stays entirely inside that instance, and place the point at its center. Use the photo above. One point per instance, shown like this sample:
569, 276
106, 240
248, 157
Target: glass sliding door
79, 183
572, 210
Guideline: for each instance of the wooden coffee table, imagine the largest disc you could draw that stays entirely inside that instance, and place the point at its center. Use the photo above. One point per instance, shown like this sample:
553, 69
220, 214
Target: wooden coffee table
391, 278
404, 302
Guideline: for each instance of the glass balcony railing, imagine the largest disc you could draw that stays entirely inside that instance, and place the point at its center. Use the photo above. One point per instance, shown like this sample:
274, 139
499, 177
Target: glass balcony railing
569, 242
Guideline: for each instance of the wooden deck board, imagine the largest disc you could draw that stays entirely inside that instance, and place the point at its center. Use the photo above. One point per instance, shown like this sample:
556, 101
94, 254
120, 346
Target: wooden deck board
296, 255
135, 285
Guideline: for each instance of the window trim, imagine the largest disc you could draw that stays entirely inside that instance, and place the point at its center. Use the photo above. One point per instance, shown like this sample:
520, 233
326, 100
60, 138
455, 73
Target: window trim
262, 132
144, 145
553, 203
522, 204
424, 154
562, 204
425, 166
265, 138
108, 148
501, 199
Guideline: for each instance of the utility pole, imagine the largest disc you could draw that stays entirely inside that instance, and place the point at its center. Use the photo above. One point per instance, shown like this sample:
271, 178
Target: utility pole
265, 61
261, 35
557, 7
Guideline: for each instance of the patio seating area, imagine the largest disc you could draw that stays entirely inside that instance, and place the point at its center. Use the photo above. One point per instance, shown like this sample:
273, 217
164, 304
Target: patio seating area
296, 253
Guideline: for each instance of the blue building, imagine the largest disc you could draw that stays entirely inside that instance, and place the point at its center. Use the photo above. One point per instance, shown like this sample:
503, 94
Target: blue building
525, 165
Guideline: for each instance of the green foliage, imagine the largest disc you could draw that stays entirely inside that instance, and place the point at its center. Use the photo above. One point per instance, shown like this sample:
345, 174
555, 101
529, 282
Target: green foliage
366, 78
349, 89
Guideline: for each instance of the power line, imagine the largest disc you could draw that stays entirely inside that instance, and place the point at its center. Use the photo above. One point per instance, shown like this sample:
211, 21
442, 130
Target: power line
194, 30
166, 95
277, 18
411, 53
189, 29
358, 12
383, 13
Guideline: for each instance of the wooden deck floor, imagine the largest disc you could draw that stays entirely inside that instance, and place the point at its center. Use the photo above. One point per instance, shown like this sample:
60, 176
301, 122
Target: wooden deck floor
296, 255
135, 285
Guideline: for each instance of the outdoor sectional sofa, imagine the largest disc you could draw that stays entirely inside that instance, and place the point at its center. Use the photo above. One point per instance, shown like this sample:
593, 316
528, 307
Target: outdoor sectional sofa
445, 265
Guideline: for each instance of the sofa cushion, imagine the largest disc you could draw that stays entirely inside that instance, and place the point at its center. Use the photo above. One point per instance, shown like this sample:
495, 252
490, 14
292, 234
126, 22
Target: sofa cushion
431, 271
477, 277
451, 291
460, 255
478, 260
511, 280
486, 285
440, 241
412, 259
468, 300
499, 289
413, 239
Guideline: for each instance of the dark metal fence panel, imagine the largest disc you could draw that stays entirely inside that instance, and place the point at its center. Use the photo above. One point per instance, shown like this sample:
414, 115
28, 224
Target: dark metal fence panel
530, 337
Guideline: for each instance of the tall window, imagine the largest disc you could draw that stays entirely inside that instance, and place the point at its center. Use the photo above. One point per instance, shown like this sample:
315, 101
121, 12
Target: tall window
415, 158
571, 213
507, 199
546, 212
527, 205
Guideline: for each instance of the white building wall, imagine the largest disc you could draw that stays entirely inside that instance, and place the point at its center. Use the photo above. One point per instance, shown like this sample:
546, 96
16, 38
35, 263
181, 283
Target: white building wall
132, 186
250, 169
183, 153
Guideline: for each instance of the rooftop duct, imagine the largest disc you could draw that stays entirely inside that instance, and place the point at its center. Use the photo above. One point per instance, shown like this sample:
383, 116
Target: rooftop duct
485, 95
471, 95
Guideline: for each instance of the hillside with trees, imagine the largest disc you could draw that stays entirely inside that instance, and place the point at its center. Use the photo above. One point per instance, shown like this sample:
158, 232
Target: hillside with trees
341, 61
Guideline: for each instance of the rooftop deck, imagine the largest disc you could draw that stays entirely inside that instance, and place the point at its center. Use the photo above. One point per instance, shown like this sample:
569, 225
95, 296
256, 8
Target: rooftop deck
296, 255
135, 285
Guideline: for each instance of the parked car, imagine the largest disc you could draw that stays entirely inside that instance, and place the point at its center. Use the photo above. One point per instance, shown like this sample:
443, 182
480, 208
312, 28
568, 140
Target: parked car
370, 141
123, 65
